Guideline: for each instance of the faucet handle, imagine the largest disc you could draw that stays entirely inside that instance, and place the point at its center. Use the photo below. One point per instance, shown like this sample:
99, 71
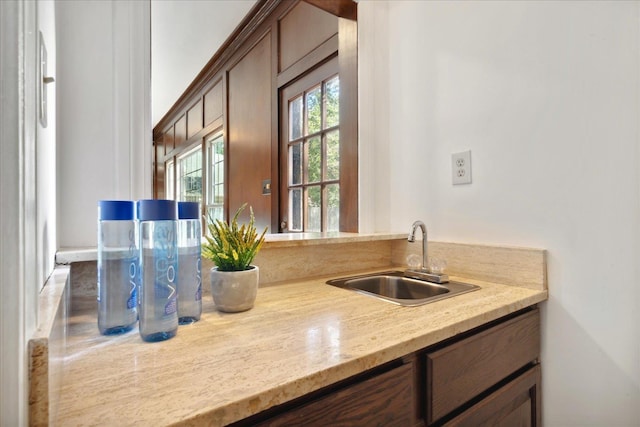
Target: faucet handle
414, 261
437, 265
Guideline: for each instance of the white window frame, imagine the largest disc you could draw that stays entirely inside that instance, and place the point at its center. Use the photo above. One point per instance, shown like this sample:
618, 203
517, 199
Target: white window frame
169, 183
209, 203
178, 172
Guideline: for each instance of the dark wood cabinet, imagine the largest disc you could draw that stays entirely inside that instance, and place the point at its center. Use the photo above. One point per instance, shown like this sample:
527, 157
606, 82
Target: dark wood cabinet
516, 404
489, 376
461, 371
249, 132
387, 399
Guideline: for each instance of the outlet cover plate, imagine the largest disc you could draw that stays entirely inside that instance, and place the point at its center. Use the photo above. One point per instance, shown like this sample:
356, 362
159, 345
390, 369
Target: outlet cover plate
461, 168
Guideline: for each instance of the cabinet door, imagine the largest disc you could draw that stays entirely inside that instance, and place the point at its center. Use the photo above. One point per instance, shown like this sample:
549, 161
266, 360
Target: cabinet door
387, 399
459, 372
517, 404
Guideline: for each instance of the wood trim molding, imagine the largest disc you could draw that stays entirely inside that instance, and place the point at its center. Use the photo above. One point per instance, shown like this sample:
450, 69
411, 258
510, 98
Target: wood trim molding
349, 174
256, 16
314, 58
341, 8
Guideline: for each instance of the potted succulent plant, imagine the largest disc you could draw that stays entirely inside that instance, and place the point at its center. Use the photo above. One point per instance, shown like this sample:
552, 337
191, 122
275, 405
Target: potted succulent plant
234, 281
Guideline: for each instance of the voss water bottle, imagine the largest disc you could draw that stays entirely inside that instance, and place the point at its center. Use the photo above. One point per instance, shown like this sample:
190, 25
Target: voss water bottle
157, 222
117, 267
189, 262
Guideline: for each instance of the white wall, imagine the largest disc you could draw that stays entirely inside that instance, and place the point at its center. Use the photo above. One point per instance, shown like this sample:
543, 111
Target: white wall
19, 285
46, 152
546, 95
104, 123
185, 34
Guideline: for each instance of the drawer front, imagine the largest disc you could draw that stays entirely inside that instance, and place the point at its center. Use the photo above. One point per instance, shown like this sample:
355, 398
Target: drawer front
461, 371
384, 400
517, 403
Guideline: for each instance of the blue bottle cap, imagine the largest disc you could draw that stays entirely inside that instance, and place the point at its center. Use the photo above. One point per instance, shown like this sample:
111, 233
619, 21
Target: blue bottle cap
116, 210
157, 210
188, 210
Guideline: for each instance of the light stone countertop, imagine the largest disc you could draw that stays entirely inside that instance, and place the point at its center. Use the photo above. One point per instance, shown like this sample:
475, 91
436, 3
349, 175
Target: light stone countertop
299, 337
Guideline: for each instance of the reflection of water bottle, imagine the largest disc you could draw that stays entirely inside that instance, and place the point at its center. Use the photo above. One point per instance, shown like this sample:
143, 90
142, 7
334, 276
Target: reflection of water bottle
117, 266
189, 277
158, 269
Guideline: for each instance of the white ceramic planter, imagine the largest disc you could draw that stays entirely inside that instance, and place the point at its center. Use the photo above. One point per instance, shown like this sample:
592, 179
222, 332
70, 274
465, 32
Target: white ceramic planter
234, 291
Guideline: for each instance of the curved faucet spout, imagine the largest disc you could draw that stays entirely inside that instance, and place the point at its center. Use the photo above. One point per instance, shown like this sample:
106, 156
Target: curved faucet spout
412, 238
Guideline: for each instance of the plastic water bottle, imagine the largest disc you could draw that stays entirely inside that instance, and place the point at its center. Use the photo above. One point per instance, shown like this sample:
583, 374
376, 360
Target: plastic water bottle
117, 267
158, 269
189, 262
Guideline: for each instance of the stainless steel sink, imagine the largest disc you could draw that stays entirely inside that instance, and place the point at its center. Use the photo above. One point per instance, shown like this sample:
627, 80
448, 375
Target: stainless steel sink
395, 287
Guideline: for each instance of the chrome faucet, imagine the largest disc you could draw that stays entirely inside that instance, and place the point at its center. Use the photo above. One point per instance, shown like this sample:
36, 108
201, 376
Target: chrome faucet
424, 272
412, 238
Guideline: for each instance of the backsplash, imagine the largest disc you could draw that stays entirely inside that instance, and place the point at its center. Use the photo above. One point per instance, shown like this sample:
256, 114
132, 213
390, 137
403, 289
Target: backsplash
297, 259
515, 266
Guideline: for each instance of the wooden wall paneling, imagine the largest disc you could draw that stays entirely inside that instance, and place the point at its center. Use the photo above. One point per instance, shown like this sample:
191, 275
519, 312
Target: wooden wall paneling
249, 131
238, 41
213, 103
302, 29
168, 142
194, 119
275, 132
348, 64
158, 167
225, 135
224, 70
180, 128
159, 185
157, 146
309, 61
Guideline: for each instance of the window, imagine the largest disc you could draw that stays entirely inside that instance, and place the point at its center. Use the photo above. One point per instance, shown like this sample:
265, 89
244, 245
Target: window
215, 177
189, 174
190, 170
312, 147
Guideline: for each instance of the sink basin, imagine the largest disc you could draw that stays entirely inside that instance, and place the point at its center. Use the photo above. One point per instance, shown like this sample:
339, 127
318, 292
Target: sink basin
394, 287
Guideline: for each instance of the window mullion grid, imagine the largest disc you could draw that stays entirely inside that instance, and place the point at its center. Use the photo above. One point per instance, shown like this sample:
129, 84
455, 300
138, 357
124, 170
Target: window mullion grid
290, 172
323, 188
305, 163
324, 224
305, 209
322, 159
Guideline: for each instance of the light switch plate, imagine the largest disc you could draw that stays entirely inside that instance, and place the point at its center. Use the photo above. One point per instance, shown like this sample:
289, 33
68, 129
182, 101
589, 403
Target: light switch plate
461, 168
266, 187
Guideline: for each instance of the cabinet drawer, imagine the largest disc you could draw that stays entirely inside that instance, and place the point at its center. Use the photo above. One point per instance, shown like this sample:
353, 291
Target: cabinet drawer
461, 371
387, 399
517, 403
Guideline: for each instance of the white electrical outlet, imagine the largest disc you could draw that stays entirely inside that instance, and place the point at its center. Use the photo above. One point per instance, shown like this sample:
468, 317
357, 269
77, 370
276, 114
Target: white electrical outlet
461, 168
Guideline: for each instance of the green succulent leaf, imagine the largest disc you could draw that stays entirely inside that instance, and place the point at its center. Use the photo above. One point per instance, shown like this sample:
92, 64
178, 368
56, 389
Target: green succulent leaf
230, 246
